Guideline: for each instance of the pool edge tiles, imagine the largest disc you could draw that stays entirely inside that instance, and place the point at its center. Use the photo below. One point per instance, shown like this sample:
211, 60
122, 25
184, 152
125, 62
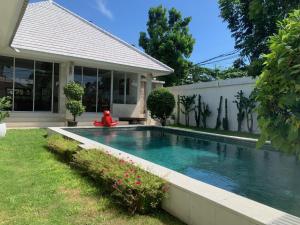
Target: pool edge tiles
193, 201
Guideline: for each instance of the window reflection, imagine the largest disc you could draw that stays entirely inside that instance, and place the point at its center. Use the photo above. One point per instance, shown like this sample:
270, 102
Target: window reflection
33, 81
119, 88
6, 76
104, 86
43, 86
90, 89
131, 88
24, 76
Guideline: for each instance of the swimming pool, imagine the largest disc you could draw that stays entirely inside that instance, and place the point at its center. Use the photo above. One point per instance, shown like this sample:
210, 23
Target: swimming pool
269, 177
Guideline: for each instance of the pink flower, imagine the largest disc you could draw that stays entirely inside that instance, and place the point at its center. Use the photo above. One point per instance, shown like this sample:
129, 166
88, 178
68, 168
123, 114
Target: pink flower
119, 182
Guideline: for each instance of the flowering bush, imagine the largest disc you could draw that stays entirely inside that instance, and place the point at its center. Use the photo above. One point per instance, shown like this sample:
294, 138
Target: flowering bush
65, 148
132, 187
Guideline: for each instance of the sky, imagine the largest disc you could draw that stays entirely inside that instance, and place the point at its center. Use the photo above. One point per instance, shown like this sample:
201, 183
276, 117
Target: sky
127, 18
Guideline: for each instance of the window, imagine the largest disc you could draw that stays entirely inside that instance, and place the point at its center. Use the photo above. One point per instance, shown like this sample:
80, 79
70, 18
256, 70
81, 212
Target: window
33, 85
6, 76
24, 77
125, 88
43, 86
97, 88
89, 82
131, 88
119, 88
55, 88
104, 90
78, 74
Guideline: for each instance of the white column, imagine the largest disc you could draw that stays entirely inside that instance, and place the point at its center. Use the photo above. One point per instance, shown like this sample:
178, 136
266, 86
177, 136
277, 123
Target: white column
149, 79
66, 74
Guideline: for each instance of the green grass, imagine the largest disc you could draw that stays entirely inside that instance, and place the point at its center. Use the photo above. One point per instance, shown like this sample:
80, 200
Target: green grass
37, 188
224, 132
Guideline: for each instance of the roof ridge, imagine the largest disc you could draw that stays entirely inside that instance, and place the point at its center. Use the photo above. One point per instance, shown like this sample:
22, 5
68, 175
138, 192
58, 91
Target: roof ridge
106, 32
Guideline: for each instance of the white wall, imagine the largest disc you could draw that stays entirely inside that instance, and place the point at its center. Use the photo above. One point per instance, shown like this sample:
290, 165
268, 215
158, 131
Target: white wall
211, 92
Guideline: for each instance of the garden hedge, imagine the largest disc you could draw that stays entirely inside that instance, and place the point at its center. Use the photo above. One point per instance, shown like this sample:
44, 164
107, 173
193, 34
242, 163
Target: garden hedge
63, 147
130, 186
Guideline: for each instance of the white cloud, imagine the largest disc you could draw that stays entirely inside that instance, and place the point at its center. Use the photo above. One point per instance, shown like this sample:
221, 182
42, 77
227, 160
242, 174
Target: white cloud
102, 8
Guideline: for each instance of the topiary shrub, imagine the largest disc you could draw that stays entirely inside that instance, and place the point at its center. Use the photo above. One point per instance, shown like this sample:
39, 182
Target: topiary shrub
133, 188
161, 104
74, 93
63, 147
278, 88
76, 108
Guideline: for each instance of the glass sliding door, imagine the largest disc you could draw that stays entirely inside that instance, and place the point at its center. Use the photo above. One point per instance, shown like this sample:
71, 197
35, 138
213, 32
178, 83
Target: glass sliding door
55, 88
32, 85
131, 88
78, 74
6, 76
104, 90
89, 82
119, 88
24, 78
43, 86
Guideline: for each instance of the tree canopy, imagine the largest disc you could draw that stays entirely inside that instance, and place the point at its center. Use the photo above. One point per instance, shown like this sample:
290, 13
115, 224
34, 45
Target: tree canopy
168, 39
252, 22
279, 88
203, 74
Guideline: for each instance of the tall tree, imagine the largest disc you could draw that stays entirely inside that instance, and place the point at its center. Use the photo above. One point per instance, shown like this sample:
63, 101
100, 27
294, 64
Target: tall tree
169, 41
252, 22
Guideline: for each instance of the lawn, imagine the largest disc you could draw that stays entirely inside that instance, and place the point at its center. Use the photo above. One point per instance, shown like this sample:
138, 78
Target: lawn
36, 188
224, 132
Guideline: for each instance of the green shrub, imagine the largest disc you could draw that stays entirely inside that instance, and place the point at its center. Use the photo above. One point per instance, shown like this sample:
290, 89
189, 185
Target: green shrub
63, 147
278, 89
75, 107
161, 104
131, 187
73, 91
5, 104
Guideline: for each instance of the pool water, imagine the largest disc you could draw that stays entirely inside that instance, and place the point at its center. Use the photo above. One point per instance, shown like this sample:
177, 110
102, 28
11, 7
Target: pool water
269, 177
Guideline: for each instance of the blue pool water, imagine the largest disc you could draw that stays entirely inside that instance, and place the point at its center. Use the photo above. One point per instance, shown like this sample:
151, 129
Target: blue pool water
269, 177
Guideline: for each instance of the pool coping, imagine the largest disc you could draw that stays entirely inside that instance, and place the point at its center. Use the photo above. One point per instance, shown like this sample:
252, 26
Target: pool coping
244, 210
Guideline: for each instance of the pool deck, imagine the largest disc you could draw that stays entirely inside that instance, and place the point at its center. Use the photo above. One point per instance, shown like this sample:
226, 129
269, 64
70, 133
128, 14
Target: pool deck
192, 201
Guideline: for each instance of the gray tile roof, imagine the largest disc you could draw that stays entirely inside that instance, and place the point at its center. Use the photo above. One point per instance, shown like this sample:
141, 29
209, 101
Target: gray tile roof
48, 27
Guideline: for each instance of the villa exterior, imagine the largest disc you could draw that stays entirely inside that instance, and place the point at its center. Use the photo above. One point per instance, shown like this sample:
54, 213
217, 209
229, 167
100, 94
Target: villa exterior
45, 46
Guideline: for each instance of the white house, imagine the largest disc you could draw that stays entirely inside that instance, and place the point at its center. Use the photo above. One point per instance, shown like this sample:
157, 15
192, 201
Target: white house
44, 45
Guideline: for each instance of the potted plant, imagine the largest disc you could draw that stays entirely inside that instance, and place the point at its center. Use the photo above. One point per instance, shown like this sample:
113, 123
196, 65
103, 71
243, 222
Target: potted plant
5, 104
74, 93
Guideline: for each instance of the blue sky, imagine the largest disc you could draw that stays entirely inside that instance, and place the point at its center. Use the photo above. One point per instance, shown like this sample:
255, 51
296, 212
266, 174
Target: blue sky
126, 19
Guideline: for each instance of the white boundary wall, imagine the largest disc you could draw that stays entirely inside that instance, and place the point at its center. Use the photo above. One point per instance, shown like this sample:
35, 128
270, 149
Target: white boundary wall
211, 92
